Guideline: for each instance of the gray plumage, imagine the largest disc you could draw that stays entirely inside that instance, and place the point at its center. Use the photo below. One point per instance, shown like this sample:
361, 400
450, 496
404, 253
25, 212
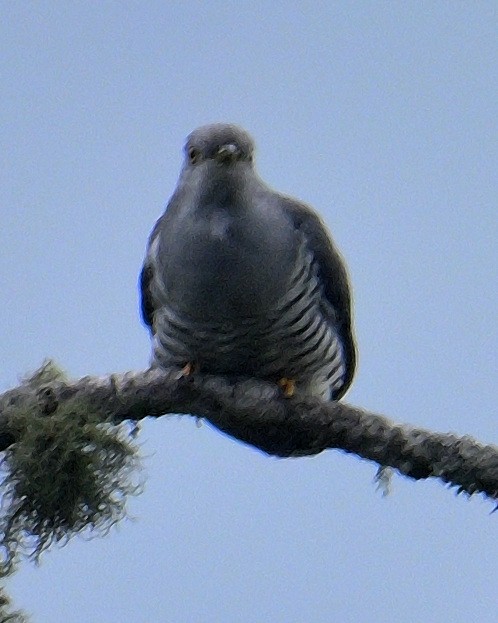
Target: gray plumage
241, 280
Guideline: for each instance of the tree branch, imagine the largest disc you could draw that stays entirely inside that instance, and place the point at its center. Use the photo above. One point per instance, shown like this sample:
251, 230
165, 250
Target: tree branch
257, 413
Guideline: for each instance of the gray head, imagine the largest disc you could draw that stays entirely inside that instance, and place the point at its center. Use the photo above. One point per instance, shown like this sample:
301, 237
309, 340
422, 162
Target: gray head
220, 143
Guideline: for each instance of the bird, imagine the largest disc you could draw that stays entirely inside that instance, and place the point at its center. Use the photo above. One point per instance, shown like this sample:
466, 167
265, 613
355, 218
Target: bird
240, 280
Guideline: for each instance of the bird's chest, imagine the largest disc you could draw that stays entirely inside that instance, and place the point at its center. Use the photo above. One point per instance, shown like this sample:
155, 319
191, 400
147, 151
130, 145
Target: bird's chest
219, 239
229, 264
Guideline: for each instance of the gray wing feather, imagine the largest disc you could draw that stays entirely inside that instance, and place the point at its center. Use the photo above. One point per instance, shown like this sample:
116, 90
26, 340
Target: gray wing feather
147, 302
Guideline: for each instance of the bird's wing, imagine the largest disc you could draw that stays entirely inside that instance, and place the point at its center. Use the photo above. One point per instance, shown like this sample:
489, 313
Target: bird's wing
147, 302
333, 275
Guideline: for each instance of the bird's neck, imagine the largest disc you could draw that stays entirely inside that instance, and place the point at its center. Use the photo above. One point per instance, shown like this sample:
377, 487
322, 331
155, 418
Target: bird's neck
227, 189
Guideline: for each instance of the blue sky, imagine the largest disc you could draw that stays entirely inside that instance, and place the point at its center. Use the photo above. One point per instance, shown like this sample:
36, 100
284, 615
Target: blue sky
382, 115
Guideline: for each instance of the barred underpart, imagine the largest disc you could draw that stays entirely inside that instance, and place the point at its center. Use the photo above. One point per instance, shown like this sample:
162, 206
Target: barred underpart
295, 339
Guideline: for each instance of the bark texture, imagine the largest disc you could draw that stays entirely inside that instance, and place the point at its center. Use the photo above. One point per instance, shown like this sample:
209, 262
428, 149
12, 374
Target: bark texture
257, 413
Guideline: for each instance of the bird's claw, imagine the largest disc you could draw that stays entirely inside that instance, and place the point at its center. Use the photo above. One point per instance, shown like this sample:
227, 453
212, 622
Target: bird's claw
185, 372
188, 369
288, 386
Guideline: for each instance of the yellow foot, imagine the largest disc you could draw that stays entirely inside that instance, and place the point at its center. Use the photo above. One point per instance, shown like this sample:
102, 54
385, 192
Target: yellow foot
188, 369
288, 386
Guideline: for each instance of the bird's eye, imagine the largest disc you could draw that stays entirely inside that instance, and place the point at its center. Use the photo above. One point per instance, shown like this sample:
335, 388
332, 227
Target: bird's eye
194, 155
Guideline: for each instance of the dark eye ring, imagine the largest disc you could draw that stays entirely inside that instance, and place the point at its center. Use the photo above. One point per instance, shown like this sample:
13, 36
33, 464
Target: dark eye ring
194, 155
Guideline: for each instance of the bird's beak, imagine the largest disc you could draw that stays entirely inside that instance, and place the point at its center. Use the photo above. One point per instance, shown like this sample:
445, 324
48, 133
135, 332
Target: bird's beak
227, 153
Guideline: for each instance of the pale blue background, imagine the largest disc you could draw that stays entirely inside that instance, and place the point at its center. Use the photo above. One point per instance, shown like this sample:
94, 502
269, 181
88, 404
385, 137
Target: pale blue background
380, 114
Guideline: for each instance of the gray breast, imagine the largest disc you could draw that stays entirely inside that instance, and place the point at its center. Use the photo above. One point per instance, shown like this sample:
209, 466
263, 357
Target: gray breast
295, 338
